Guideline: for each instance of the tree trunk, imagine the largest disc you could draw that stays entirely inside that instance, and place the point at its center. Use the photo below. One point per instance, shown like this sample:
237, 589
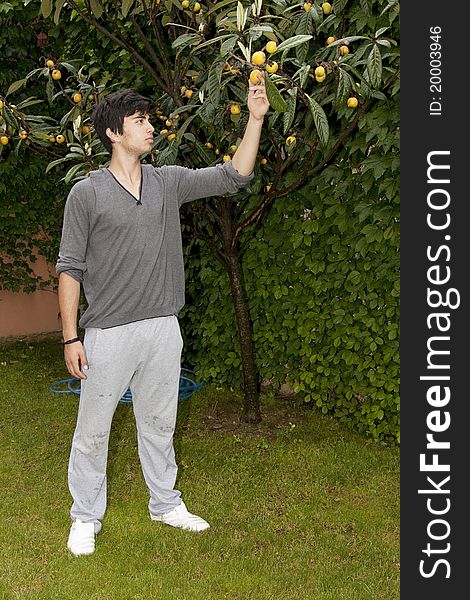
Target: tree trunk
251, 388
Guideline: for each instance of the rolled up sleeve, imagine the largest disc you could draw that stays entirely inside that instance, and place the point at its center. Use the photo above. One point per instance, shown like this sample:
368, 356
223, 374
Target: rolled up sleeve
74, 240
219, 180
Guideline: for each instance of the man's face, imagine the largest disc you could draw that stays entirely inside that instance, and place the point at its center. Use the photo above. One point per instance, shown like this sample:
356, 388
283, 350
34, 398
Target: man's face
137, 135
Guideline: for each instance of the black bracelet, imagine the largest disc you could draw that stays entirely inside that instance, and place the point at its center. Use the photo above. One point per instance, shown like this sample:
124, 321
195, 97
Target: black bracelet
71, 341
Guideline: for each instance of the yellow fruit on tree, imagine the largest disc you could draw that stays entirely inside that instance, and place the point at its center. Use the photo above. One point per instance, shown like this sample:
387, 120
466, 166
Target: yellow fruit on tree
185, 4
217, 151
268, 186
290, 140
60, 139
258, 58
23, 134
196, 7
272, 67
271, 47
330, 39
86, 129
255, 76
227, 157
176, 117
77, 97
208, 145
188, 93
50, 63
171, 136
235, 109
319, 71
168, 123
344, 50
163, 131
3, 140
233, 148
320, 79
56, 74
326, 8
307, 6
263, 161
51, 138
183, 89
352, 102
1, 104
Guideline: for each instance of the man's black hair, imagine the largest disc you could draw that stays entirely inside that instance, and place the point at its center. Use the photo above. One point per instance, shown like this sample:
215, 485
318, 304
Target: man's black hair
112, 110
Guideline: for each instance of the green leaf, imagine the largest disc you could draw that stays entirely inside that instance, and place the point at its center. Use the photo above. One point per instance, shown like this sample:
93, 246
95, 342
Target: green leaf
15, 86
276, 101
320, 120
379, 32
126, 6
204, 153
58, 9
338, 5
220, 5
46, 8
96, 8
213, 80
183, 128
54, 163
293, 41
347, 40
184, 40
72, 172
289, 114
374, 66
213, 41
28, 102
241, 18
228, 45
345, 85
50, 89
305, 24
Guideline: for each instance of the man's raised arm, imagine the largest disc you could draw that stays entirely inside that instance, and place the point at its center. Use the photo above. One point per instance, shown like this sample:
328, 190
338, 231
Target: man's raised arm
245, 156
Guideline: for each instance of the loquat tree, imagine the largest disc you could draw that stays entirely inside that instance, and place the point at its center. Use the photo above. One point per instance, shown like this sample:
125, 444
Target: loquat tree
325, 65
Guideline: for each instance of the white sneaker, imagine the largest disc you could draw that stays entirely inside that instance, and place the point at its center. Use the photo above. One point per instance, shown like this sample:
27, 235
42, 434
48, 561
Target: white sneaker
81, 538
182, 518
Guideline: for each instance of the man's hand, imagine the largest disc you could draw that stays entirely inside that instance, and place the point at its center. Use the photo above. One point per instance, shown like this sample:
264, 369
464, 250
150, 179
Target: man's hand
258, 103
75, 358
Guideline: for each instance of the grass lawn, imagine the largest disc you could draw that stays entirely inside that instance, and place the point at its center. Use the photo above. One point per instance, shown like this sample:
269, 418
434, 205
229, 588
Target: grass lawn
299, 507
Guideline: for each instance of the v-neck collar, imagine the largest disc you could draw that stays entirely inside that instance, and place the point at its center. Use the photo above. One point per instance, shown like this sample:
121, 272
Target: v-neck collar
137, 200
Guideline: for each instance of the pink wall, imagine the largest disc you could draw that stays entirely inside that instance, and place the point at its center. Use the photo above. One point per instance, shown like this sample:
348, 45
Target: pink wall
26, 314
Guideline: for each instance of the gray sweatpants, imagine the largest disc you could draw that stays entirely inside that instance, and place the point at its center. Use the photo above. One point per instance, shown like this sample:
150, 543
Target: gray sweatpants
145, 356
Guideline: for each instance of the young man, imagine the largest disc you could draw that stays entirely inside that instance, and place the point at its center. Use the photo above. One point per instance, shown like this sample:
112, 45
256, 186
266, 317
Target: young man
121, 240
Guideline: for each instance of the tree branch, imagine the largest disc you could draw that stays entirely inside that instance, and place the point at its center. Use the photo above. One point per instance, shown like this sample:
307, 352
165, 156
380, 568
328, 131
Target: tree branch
120, 42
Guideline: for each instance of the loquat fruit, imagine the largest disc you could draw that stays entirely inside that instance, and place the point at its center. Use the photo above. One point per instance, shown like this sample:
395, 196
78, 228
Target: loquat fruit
235, 109
271, 47
258, 58
272, 67
255, 76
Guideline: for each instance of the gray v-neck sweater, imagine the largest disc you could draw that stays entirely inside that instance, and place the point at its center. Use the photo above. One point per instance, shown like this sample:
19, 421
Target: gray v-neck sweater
127, 252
